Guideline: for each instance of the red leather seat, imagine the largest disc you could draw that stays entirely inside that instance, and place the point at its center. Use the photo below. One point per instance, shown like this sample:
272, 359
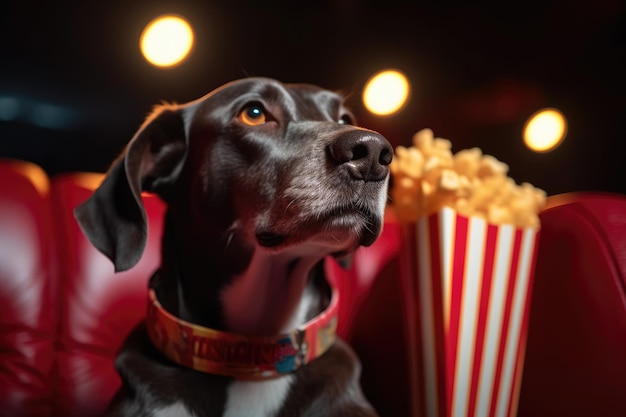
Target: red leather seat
64, 313
27, 291
97, 307
576, 353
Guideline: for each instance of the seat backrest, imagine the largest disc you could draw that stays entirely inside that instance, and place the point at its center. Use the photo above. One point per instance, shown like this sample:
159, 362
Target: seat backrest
576, 353
97, 307
27, 293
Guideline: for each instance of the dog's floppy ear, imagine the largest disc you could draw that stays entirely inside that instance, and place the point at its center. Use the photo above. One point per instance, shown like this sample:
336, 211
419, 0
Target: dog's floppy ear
114, 218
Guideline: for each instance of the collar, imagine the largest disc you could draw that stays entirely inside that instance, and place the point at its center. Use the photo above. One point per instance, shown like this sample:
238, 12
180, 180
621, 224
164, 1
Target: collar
238, 356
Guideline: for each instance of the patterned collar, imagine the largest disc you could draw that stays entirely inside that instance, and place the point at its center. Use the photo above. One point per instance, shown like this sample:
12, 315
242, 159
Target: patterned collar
238, 356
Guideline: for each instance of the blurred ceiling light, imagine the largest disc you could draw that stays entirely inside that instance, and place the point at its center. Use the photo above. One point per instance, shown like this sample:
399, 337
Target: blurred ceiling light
166, 41
9, 108
51, 116
545, 130
386, 92
38, 113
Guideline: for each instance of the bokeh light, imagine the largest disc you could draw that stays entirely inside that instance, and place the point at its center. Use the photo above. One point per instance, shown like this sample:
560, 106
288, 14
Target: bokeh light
545, 130
166, 41
386, 92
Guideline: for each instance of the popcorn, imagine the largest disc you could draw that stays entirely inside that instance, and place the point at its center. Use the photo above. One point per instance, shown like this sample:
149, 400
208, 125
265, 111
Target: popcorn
428, 176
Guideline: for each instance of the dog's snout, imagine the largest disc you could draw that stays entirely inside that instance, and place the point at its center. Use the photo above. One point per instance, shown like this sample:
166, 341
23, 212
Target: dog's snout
365, 154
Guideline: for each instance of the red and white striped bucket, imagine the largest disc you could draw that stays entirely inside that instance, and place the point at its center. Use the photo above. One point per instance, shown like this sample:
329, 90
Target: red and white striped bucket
467, 286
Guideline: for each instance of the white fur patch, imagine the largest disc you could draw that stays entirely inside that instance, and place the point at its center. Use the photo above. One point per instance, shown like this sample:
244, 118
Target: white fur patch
257, 398
173, 410
299, 318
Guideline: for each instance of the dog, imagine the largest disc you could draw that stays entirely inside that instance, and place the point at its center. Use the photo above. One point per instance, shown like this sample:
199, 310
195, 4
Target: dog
262, 181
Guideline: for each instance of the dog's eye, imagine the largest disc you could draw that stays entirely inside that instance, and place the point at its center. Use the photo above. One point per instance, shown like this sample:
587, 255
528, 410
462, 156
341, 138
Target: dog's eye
345, 120
253, 115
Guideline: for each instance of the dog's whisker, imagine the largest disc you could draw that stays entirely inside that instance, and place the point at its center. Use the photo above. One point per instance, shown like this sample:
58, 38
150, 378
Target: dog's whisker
229, 239
290, 204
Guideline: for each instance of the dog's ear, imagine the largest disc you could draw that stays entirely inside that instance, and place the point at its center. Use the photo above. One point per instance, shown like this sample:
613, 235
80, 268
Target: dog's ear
114, 218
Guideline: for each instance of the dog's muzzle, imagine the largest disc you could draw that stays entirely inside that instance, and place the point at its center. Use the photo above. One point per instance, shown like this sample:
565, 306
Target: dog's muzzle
337, 197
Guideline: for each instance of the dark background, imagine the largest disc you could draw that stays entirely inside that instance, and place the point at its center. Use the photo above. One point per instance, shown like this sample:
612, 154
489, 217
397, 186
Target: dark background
74, 86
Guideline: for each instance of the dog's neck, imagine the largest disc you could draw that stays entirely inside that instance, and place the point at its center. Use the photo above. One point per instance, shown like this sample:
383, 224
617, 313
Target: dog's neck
237, 287
272, 296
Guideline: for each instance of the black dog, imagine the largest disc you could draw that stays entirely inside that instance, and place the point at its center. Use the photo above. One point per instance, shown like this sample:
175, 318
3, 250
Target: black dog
262, 181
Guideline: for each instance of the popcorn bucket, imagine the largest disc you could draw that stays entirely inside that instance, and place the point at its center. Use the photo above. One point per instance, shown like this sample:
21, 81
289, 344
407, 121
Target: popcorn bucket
467, 287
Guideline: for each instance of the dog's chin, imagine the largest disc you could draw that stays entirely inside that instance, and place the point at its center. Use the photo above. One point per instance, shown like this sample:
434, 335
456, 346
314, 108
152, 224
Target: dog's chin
336, 232
358, 229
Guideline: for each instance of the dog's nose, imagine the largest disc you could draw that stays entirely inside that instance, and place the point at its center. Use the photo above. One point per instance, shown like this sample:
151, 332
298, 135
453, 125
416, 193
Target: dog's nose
366, 154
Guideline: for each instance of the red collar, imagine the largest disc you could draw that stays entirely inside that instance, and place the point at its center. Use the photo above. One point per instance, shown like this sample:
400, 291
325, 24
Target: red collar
238, 356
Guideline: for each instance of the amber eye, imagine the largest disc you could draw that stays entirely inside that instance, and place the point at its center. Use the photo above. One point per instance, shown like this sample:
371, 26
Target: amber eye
253, 115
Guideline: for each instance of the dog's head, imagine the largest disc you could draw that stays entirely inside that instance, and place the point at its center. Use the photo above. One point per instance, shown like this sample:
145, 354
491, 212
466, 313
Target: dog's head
280, 167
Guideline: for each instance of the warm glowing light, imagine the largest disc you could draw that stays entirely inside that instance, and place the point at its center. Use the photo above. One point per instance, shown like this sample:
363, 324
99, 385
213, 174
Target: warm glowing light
166, 41
386, 92
545, 130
